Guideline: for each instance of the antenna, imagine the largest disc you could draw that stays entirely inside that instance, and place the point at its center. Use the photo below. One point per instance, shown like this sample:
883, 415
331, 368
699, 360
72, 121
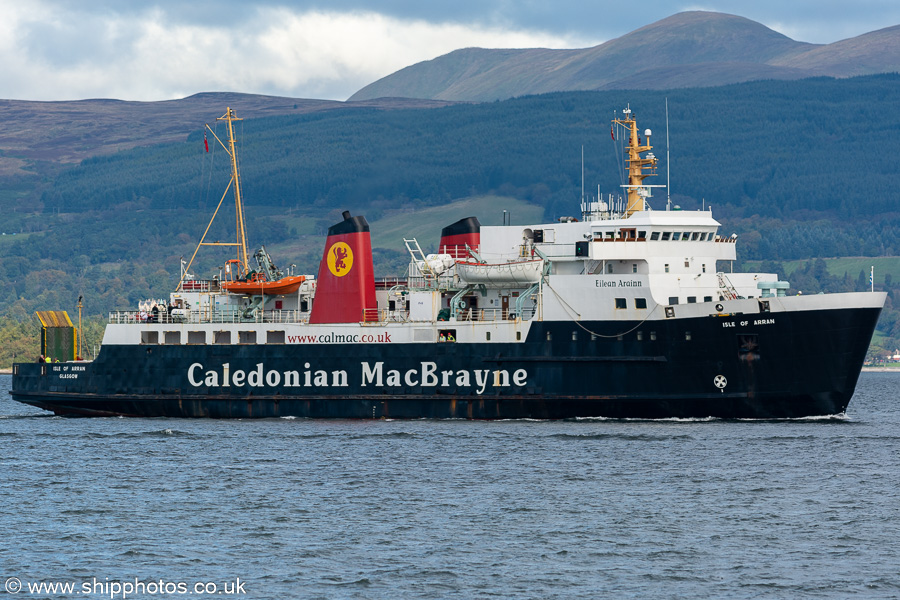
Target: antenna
668, 193
582, 181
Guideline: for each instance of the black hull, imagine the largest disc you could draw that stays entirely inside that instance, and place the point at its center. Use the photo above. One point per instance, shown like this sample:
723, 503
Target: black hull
779, 365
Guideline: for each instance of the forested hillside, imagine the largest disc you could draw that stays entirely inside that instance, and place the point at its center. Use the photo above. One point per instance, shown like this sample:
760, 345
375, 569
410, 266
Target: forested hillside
801, 170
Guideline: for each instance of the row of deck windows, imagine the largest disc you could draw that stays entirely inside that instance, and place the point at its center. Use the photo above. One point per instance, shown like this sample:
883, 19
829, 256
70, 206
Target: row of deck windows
173, 338
683, 236
622, 303
655, 236
640, 335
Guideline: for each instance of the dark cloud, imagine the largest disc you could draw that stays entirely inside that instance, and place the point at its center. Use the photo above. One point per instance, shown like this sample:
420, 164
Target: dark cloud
825, 20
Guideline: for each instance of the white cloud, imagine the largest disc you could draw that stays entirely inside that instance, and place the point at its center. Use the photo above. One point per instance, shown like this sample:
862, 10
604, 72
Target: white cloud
279, 51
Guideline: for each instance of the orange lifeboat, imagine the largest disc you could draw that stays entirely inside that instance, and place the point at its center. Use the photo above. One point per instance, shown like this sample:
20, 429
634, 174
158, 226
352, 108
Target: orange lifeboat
257, 284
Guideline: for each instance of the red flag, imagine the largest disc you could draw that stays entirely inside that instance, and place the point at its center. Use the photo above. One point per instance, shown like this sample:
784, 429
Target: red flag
612, 133
205, 142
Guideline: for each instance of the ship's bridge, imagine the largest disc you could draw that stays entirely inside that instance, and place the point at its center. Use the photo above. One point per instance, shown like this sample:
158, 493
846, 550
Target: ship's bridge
652, 238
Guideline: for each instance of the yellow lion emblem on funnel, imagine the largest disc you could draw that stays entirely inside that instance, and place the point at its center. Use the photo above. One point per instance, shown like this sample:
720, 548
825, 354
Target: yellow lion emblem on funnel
340, 259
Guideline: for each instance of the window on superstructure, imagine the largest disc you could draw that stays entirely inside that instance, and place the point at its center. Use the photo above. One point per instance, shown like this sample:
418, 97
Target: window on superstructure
173, 338
654, 236
196, 337
487, 336
707, 298
621, 303
642, 235
221, 337
687, 264
640, 303
692, 299
275, 337
686, 237
667, 267
246, 337
634, 267
673, 299
149, 337
610, 235
676, 236
696, 236
703, 266
609, 268
666, 235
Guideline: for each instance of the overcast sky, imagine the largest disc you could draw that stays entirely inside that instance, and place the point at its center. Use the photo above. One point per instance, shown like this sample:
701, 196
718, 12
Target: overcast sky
164, 49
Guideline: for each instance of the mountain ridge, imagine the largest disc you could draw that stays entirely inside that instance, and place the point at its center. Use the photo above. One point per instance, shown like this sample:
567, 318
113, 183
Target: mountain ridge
713, 48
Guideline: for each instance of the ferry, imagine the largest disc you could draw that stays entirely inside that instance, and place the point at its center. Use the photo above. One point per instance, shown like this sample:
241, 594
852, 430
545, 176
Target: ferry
624, 312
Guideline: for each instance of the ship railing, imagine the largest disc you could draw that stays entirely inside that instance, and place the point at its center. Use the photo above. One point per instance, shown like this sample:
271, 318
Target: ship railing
382, 316
200, 285
136, 317
491, 314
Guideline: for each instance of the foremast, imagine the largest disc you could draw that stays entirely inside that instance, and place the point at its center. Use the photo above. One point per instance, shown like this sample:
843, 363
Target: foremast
639, 167
240, 232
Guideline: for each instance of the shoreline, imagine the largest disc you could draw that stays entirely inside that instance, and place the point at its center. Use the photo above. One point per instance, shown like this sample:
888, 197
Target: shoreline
881, 369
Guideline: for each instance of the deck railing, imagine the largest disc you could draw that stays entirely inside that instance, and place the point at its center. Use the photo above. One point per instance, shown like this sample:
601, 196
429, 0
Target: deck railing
369, 316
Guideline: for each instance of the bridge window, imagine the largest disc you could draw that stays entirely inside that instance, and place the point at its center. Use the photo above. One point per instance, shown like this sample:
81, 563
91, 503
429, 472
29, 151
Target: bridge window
654, 236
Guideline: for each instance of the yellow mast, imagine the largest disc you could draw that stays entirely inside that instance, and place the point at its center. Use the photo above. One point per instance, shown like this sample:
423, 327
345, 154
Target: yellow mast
241, 241
638, 166
235, 178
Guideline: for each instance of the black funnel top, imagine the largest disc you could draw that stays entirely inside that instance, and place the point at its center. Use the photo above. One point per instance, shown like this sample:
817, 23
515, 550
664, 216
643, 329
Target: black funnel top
467, 225
349, 225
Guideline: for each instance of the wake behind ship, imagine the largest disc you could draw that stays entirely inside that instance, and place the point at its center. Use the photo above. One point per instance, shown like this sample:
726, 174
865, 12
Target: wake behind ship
620, 314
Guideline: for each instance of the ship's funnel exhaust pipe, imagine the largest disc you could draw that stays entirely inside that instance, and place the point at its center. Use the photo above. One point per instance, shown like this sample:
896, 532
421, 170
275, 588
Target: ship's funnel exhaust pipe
345, 289
455, 237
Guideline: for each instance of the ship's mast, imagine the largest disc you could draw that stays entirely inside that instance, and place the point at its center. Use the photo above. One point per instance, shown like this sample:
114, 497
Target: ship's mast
638, 167
241, 242
236, 180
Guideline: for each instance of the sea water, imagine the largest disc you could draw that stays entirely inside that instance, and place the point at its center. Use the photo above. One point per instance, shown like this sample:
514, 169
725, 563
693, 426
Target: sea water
293, 508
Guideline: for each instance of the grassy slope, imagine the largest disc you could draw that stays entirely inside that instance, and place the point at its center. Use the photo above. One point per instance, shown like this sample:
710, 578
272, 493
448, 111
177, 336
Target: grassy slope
851, 265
